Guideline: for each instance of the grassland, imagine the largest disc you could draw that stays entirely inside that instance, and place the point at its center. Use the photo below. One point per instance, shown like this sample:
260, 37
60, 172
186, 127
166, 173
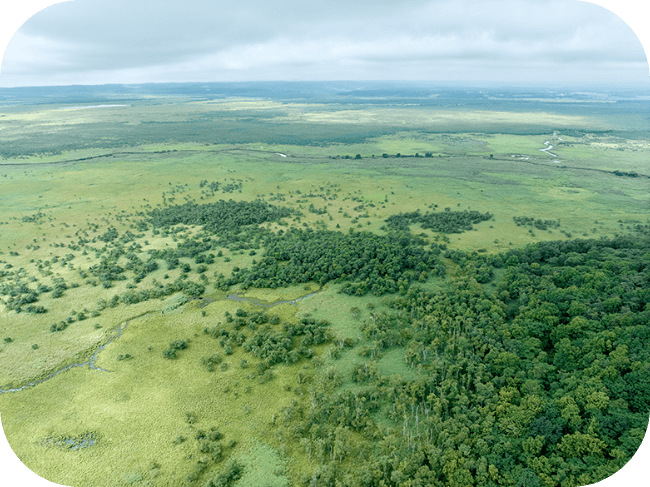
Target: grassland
69, 176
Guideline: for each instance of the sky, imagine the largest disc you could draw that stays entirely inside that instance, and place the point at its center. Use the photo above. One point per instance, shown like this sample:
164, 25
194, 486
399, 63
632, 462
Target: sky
143, 41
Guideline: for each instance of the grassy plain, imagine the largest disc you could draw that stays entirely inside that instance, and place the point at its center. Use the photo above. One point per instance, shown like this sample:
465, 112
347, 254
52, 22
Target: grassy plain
90, 173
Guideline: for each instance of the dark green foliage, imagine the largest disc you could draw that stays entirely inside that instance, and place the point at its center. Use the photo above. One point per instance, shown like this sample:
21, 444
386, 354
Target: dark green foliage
222, 216
37, 217
192, 288
480, 267
364, 372
317, 211
542, 382
228, 477
58, 326
446, 222
107, 270
35, 309
315, 332
174, 347
110, 235
130, 297
210, 362
379, 264
272, 347
537, 223
42, 288
17, 300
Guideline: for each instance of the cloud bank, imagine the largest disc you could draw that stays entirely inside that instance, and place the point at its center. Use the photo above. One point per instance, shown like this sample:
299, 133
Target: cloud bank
138, 41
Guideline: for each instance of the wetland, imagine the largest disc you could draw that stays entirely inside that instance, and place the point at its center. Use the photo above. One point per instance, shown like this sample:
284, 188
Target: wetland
344, 289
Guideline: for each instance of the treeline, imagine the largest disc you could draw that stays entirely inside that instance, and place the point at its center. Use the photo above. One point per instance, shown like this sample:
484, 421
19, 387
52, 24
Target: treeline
545, 381
445, 222
229, 129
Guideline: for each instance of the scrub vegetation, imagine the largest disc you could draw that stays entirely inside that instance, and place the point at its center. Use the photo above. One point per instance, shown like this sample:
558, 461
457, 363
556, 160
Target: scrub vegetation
229, 291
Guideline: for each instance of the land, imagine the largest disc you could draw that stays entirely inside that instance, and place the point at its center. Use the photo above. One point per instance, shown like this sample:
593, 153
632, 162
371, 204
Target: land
131, 230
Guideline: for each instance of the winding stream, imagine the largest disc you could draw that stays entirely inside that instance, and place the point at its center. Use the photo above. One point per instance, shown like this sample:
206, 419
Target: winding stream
549, 147
90, 362
257, 302
120, 329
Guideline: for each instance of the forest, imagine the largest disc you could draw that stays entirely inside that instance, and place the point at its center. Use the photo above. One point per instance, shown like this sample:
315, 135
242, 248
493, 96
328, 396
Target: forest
544, 381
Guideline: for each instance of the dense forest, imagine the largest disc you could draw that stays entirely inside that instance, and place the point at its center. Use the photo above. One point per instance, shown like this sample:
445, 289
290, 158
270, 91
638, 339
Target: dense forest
542, 382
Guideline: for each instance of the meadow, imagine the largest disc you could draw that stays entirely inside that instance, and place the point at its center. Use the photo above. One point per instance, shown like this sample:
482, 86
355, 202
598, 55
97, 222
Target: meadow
165, 383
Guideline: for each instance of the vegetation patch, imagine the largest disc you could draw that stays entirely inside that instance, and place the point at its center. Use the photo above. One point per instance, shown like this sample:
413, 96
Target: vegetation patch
445, 222
222, 216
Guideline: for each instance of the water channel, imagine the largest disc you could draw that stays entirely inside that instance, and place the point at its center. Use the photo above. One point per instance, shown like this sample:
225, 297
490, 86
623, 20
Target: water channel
120, 329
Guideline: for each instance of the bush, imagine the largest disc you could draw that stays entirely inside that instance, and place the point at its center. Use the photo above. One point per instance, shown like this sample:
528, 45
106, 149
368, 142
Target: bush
210, 362
174, 347
58, 327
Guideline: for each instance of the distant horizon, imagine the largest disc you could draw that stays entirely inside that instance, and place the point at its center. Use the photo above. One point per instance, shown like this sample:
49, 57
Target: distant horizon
416, 83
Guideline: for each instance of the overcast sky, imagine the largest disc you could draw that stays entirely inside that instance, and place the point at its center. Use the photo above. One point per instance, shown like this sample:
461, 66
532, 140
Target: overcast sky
140, 41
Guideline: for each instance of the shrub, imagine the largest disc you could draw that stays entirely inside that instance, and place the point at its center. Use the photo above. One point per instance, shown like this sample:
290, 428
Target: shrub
172, 351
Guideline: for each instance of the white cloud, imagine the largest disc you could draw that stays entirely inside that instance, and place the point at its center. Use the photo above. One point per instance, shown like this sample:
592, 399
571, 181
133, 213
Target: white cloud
200, 40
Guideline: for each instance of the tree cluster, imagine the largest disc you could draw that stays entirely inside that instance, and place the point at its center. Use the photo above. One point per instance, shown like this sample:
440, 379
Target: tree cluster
365, 261
445, 222
221, 216
537, 223
171, 352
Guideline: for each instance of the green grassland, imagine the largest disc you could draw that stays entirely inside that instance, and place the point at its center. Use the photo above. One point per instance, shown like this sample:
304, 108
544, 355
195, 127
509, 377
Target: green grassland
70, 176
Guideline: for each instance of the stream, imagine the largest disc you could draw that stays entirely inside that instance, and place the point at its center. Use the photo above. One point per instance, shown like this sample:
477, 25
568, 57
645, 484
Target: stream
547, 143
257, 302
90, 363
549, 147
120, 329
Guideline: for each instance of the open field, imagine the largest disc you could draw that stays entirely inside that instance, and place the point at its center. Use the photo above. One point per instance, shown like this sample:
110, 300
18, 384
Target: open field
83, 260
